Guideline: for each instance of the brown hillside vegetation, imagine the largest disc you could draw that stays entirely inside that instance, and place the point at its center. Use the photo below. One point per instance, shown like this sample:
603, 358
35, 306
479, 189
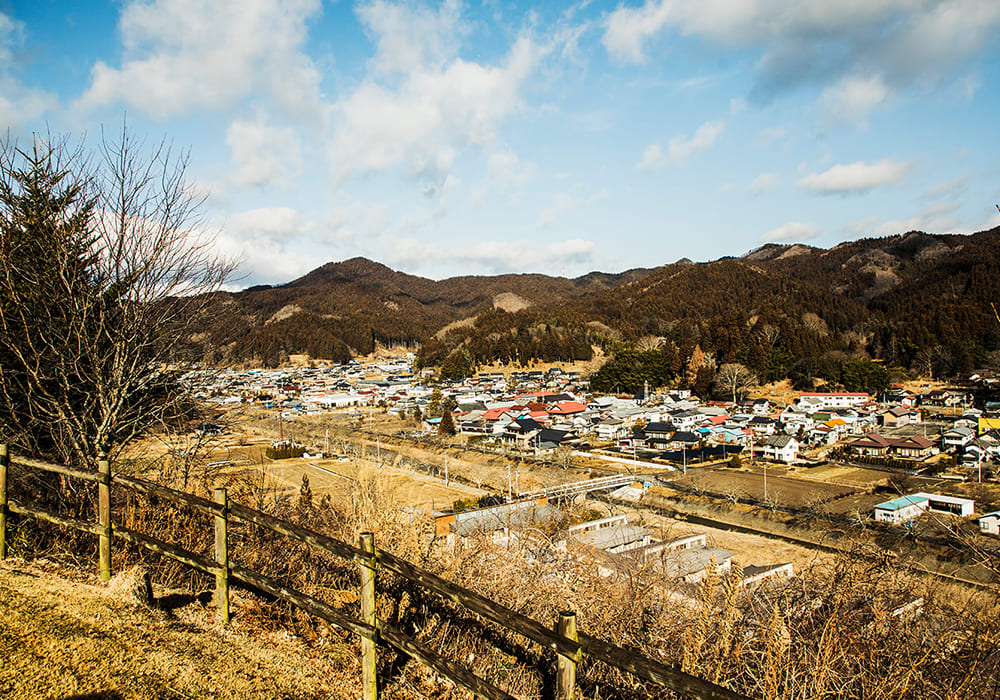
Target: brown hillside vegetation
64, 635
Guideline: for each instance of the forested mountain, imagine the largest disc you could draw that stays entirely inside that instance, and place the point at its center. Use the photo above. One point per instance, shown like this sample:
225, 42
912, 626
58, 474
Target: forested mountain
914, 301
343, 309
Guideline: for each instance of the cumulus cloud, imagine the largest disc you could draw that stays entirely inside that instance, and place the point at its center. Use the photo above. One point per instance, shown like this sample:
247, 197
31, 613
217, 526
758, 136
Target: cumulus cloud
406, 35
628, 29
855, 178
853, 98
263, 154
938, 218
262, 239
765, 182
681, 148
19, 104
422, 104
183, 55
496, 256
792, 231
652, 158
508, 172
903, 41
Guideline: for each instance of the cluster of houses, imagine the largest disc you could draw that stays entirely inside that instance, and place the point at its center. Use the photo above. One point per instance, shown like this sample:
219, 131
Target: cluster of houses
538, 411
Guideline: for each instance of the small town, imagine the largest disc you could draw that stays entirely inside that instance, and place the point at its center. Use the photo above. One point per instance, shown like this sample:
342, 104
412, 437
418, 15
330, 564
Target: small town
444, 349
919, 461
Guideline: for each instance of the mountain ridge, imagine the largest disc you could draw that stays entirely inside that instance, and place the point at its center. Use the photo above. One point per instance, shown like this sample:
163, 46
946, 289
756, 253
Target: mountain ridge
869, 295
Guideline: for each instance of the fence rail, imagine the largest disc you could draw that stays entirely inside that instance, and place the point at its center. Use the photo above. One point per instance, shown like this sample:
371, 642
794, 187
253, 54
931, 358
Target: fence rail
569, 644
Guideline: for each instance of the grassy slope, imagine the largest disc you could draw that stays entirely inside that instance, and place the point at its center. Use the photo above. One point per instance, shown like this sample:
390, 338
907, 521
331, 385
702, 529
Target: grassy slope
64, 638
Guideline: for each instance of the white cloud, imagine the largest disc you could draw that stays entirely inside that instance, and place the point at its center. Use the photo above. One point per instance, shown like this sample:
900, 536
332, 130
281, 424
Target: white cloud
628, 29
184, 55
854, 178
954, 188
652, 158
495, 256
19, 105
904, 41
681, 148
938, 218
853, 98
262, 239
263, 154
560, 205
507, 171
765, 182
792, 231
423, 105
407, 35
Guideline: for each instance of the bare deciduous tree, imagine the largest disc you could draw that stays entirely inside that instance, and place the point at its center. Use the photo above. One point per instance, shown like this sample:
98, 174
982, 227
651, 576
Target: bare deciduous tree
104, 263
734, 379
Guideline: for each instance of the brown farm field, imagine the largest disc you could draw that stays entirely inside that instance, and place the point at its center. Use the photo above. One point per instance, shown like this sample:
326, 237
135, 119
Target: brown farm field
782, 486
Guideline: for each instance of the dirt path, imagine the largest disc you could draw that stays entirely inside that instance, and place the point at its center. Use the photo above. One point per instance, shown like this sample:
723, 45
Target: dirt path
64, 638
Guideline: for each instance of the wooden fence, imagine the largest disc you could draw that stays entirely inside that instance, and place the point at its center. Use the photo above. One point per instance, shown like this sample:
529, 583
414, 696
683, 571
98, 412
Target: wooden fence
568, 643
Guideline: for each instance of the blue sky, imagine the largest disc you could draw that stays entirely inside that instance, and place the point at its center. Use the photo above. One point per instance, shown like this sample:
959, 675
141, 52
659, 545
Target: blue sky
477, 138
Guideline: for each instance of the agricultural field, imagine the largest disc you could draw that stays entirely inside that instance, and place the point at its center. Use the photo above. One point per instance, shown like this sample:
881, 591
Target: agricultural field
782, 486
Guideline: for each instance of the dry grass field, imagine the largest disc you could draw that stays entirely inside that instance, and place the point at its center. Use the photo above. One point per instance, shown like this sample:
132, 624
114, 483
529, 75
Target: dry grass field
66, 636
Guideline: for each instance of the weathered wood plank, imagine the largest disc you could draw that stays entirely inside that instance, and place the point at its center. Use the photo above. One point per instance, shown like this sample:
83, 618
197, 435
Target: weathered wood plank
369, 672
222, 556
84, 474
492, 611
307, 603
160, 547
283, 527
104, 518
685, 684
187, 499
4, 463
566, 665
447, 668
74, 523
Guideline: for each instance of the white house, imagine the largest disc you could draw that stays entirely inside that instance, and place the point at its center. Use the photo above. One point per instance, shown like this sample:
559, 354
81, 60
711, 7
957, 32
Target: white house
781, 448
833, 399
989, 524
900, 509
909, 507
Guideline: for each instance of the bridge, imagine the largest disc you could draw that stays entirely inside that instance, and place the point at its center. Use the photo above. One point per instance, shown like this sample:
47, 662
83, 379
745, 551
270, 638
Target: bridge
605, 483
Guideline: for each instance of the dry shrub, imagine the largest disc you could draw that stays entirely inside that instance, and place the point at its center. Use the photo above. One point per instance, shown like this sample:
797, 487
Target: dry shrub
837, 630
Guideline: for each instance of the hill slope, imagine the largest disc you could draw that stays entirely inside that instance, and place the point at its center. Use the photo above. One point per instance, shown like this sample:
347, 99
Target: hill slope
65, 638
898, 299
345, 308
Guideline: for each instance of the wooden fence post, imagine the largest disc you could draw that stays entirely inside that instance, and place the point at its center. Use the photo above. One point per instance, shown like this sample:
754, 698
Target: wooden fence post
566, 665
222, 556
4, 462
369, 673
104, 518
